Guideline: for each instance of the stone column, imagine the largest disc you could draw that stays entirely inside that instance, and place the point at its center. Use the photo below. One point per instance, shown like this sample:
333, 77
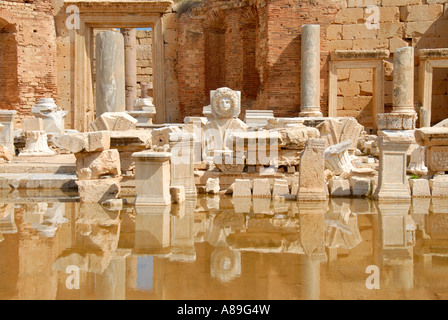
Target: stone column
152, 178
403, 98
392, 181
310, 87
7, 133
110, 79
130, 66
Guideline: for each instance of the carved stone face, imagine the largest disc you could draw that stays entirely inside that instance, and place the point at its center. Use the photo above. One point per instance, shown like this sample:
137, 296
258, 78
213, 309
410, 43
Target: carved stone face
225, 103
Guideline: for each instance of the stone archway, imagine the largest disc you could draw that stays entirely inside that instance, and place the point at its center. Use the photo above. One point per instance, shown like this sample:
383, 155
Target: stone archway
9, 89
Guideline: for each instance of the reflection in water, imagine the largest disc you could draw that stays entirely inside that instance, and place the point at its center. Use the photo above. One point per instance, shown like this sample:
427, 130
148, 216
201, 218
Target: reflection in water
224, 248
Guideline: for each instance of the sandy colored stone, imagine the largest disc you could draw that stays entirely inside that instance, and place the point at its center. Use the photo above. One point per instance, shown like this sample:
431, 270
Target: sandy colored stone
261, 188
212, 186
420, 187
177, 194
113, 121
439, 188
35, 124
74, 142
339, 188
281, 187
312, 185
432, 136
97, 141
6, 153
296, 137
93, 165
242, 188
161, 137
98, 190
360, 186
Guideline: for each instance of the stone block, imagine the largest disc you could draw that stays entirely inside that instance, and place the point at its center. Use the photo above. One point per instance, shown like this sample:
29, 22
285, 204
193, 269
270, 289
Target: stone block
94, 165
32, 125
6, 153
420, 187
212, 186
73, 143
98, 141
98, 190
439, 187
177, 194
281, 187
113, 121
339, 188
437, 158
360, 187
429, 12
261, 188
242, 188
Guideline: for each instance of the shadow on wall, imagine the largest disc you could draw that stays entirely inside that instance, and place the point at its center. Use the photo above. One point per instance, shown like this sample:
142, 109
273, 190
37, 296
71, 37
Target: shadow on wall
9, 87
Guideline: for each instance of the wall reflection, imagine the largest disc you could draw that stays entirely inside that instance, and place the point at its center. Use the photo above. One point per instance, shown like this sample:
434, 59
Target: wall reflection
216, 247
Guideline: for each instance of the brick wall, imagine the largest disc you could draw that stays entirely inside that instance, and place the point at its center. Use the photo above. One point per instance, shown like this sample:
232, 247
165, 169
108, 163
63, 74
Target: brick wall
28, 59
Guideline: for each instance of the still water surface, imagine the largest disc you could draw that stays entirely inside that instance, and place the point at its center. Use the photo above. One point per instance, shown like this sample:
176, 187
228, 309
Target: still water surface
221, 248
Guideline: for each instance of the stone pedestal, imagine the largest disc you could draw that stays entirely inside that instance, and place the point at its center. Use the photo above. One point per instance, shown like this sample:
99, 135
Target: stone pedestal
392, 181
130, 66
152, 178
110, 78
36, 144
7, 133
310, 88
182, 161
312, 185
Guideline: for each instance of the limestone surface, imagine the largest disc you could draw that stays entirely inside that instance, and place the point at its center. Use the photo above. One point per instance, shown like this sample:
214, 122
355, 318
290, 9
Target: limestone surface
94, 165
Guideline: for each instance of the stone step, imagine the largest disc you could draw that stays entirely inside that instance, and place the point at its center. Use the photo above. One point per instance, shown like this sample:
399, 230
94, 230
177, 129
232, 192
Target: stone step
62, 181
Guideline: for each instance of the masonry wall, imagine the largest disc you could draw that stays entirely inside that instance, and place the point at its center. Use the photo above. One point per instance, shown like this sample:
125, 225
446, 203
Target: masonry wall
398, 23
28, 55
144, 58
262, 59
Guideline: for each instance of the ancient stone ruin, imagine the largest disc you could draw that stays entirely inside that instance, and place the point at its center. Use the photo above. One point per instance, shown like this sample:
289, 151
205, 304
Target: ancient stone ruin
269, 105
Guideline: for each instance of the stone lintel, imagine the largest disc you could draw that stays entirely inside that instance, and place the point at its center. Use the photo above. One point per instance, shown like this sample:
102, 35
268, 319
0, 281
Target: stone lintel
340, 55
439, 53
119, 6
